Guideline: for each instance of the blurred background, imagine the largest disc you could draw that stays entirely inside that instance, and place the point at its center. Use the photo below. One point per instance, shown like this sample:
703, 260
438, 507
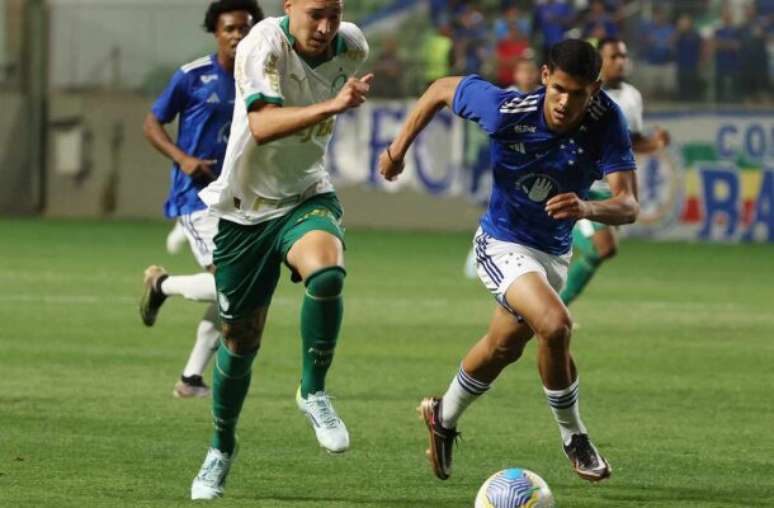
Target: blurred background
78, 76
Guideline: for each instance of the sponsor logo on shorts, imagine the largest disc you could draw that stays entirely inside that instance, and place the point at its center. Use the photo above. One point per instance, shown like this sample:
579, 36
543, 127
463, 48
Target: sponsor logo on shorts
223, 301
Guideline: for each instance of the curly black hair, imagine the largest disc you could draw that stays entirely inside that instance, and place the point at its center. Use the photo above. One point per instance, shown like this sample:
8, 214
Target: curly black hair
219, 7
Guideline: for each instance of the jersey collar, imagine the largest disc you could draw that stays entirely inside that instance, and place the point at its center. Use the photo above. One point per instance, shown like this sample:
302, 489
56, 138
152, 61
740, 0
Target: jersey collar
339, 45
218, 67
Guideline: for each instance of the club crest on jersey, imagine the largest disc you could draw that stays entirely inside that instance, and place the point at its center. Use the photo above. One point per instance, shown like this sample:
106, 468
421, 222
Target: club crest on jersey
338, 83
538, 186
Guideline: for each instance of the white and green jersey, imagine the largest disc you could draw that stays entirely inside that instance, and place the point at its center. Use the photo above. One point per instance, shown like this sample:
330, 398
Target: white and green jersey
629, 99
262, 182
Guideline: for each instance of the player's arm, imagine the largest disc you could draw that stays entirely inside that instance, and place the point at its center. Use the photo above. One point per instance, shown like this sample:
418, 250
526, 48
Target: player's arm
439, 94
659, 140
622, 208
158, 136
269, 122
641, 143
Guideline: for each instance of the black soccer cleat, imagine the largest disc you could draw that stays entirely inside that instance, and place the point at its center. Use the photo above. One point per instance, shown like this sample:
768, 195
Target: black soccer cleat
441, 439
586, 460
152, 297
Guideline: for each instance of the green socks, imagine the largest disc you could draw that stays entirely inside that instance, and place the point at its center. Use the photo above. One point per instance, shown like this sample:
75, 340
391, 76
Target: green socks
321, 314
582, 268
230, 381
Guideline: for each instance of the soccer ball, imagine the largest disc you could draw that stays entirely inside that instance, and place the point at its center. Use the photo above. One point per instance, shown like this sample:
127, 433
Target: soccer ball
514, 488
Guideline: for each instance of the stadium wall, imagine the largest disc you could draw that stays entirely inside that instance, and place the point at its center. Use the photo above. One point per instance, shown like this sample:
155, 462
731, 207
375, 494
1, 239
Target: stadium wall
20, 191
715, 183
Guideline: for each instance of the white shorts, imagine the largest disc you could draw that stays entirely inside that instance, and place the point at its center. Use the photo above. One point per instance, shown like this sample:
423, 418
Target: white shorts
499, 264
200, 229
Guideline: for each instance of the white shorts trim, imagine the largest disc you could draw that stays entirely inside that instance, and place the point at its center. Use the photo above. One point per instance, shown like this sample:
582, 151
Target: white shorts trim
500, 263
200, 229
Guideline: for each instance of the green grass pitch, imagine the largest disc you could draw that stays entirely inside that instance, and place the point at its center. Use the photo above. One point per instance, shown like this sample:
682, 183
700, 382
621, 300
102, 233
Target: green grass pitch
675, 349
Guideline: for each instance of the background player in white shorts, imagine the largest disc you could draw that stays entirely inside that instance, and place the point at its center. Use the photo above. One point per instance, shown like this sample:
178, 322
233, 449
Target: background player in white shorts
201, 96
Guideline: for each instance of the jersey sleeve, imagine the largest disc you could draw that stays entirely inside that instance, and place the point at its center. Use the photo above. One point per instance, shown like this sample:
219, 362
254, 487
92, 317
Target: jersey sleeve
173, 99
257, 71
478, 100
357, 45
617, 154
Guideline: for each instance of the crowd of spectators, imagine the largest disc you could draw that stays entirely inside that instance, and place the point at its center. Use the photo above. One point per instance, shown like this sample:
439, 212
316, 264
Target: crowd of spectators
691, 50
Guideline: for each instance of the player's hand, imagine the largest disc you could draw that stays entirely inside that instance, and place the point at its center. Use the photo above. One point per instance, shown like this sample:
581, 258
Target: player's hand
198, 169
389, 166
567, 206
662, 137
353, 93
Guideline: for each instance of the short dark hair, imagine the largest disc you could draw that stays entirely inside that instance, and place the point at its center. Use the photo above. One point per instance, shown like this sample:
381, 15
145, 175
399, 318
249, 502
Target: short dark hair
607, 40
577, 58
219, 7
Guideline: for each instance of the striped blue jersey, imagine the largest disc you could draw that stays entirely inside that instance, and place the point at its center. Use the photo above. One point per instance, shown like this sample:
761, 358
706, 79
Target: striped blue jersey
531, 163
202, 94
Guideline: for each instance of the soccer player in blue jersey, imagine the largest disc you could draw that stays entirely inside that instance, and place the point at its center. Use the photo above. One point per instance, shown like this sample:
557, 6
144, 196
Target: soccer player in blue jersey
201, 95
547, 147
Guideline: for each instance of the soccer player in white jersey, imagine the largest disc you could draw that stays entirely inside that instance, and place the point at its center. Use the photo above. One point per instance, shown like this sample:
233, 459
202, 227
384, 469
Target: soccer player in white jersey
201, 95
547, 148
277, 206
594, 242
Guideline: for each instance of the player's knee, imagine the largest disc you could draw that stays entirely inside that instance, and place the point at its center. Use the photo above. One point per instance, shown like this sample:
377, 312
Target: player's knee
243, 336
607, 252
556, 331
326, 283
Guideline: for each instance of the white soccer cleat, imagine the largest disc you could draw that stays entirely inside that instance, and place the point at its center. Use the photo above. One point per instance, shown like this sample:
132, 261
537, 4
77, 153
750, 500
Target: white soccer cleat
211, 480
176, 239
331, 432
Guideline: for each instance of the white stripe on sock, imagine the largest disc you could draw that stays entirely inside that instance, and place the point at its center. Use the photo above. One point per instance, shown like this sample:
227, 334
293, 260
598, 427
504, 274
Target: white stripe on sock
568, 418
458, 397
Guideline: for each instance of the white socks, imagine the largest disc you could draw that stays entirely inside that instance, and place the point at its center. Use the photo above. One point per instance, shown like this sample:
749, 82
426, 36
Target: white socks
199, 287
207, 335
462, 391
564, 404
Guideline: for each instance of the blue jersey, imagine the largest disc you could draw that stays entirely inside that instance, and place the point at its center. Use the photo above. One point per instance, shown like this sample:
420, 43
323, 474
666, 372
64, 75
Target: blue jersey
202, 94
532, 163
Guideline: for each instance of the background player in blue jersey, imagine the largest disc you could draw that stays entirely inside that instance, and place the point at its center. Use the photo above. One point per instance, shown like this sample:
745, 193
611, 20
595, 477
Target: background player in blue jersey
201, 95
594, 242
547, 149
